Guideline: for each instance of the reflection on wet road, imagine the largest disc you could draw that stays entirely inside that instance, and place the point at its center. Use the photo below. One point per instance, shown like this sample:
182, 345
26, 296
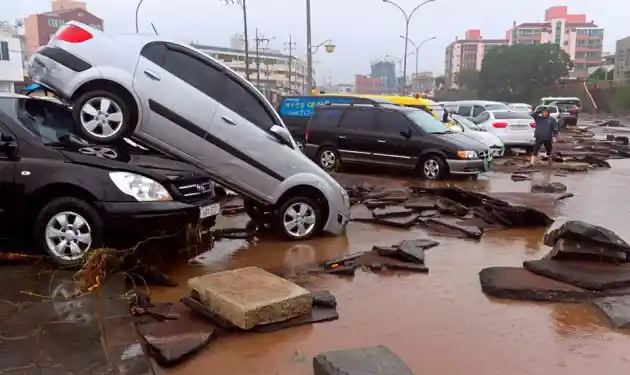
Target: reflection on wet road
438, 323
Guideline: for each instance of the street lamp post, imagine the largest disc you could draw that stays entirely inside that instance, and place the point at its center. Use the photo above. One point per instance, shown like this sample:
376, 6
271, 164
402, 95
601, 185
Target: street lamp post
407, 20
310, 49
138, 10
417, 47
243, 4
400, 67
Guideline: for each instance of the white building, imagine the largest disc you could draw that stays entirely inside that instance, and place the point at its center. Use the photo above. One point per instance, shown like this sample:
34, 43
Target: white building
272, 67
11, 59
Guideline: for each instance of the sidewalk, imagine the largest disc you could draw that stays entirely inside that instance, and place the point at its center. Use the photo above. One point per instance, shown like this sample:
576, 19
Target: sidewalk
93, 334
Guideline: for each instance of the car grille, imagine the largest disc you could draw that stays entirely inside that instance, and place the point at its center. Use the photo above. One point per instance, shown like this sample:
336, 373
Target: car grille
195, 190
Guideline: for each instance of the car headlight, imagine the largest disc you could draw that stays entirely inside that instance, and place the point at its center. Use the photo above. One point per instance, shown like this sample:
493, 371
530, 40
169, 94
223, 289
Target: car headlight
467, 154
345, 197
143, 189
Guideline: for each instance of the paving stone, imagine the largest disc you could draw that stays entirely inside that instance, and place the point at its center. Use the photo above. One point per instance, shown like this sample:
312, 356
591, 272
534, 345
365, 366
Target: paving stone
377, 360
587, 275
251, 296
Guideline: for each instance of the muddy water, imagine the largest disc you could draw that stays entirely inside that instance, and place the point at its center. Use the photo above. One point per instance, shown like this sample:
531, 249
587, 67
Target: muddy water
439, 323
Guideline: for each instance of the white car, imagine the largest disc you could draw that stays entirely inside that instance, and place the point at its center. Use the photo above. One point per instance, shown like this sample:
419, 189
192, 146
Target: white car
523, 107
496, 146
514, 128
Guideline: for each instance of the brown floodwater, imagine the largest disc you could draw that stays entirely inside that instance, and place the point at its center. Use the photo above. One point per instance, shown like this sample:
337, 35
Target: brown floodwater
440, 323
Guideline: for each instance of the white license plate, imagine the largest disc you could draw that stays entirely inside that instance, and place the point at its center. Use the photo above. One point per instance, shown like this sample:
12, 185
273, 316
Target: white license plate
209, 210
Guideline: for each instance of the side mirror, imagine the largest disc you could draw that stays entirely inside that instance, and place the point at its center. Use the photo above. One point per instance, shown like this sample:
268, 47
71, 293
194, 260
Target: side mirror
7, 143
282, 134
406, 134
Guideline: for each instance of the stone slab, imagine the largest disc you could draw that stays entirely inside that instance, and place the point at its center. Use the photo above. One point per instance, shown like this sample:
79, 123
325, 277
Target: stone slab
587, 275
617, 309
377, 360
250, 296
570, 249
519, 284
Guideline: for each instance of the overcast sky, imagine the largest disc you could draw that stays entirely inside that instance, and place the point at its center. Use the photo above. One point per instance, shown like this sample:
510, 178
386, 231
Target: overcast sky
362, 30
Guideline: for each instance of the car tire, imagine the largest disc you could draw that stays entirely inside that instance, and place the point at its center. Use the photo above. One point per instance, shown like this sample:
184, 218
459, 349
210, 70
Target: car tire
72, 221
328, 159
298, 218
433, 167
102, 116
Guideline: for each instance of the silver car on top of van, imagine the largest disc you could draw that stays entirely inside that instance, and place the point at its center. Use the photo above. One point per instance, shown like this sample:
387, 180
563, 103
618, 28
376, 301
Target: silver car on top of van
186, 104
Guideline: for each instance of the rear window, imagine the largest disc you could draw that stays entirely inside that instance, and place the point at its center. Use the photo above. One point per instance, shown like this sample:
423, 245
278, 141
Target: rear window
494, 107
511, 115
304, 107
326, 117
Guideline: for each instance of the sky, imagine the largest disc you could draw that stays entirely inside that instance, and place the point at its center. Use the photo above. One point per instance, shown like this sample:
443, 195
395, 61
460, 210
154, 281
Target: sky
361, 30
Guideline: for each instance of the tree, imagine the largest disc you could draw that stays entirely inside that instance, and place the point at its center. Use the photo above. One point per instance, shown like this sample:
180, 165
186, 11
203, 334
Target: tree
439, 82
522, 72
468, 79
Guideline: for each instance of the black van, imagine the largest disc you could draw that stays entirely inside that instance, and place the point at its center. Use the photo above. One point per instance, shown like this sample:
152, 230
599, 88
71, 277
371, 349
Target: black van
65, 196
297, 110
392, 136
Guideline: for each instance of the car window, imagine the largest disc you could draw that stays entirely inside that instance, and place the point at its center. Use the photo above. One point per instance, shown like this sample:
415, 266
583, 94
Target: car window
326, 118
467, 123
511, 115
483, 117
393, 123
155, 52
196, 73
426, 122
464, 110
552, 109
495, 106
358, 119
47, 121
477, 110
240, 100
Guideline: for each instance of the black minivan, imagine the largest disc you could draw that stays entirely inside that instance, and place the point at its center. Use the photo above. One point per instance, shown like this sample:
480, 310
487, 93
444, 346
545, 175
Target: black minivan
66, 196
392, 136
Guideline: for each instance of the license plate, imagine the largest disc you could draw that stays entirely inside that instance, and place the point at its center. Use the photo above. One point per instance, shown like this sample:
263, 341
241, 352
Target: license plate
209, 210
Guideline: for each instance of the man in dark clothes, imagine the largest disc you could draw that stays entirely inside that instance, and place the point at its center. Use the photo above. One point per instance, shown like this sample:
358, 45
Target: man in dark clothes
545, 134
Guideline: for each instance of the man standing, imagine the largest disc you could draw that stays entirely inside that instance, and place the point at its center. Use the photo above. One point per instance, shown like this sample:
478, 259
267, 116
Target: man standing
545, 134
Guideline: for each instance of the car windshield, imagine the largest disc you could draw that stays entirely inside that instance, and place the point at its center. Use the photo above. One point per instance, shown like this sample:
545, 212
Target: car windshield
495, 106
427, 123
466, 122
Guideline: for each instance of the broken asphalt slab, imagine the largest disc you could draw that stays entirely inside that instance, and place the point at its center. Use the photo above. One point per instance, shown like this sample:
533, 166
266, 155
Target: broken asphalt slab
587, 275
377, 360
582, 231
569, 249
617, 309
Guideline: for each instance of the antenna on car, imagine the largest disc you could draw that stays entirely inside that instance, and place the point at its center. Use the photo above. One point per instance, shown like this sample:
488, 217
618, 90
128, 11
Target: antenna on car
154, 29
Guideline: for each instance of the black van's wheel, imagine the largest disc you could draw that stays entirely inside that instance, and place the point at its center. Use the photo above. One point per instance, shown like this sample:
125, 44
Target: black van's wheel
433, 167
298, 218
66, 229
102, 116
328, 158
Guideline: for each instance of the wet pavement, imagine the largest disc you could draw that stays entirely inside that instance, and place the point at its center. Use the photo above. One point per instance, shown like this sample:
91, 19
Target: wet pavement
439, 322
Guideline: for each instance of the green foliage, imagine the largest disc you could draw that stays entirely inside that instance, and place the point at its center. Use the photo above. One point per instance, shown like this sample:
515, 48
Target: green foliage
467, 79
440, 81
621, 98
522, 71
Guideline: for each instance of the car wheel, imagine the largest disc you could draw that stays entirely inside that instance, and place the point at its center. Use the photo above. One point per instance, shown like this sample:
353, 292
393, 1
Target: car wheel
328, 159
102, 116
66, 229
433, 167
298, 218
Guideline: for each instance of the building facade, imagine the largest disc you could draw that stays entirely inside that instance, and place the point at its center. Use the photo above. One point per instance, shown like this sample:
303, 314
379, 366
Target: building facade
368, 85
621, 62
581, 39
386, 71
39, 28
467, 54
267, 70
11, 59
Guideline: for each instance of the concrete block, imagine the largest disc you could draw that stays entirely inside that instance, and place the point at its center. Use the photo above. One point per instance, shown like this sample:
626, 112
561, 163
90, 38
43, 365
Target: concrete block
250, 296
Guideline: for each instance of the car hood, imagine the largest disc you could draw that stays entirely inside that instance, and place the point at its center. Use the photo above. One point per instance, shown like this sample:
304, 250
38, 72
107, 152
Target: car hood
131, 159
463, 142
486, 138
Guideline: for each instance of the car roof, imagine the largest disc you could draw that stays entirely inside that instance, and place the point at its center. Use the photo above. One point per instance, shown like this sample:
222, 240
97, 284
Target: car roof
480, 102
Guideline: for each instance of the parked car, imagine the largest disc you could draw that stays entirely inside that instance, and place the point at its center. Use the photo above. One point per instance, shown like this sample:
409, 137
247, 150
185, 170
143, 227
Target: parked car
523, 107
514, 128
496, 146
186, 104
390, 135
550, 100
68, 196
565, 113
472, 108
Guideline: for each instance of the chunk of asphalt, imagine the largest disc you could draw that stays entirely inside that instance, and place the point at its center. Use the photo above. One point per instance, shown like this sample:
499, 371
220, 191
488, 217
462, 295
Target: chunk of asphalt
323, 298
617, 309
375, 262
587, 275
373, 204
551, 187
443, 227
343, 270
412, 267
391, 212
582, 231
377, 360
450, 207
421, 204
316, 315
519, 284
340, 261
569, 249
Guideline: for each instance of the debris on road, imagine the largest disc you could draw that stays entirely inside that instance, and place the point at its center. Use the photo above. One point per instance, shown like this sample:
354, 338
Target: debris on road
377, 360
549, 187
616, 309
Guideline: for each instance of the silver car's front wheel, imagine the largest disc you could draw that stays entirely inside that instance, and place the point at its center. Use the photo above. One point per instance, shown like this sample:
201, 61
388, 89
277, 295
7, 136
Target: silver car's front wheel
101, 117
298, 218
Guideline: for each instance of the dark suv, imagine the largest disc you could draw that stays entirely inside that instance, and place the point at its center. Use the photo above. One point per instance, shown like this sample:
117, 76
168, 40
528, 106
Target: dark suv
65, 196
389, 135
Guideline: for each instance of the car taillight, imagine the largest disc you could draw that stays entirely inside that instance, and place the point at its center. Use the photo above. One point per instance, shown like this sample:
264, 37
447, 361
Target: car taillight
73, 34
500, 125
306, 137
532, 124
574, 110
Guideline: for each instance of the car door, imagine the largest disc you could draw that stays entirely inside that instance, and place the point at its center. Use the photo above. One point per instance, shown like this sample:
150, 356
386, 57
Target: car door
477, 110
10, 194
394, 147
176, 92
356, 138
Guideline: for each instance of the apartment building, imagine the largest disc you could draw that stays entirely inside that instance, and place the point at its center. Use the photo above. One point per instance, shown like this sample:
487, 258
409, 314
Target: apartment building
39, 28
581, 39
622, 61
11, 60
467, 53
272, 67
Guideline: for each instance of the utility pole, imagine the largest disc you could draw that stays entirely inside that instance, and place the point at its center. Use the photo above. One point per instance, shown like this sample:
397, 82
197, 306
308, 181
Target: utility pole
243, 5
258, 40
290, 45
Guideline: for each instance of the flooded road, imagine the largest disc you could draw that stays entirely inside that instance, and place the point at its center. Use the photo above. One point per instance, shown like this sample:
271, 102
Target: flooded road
440, 323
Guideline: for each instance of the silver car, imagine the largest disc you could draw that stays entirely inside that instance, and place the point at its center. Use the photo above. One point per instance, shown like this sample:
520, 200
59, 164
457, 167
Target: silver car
188, 105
